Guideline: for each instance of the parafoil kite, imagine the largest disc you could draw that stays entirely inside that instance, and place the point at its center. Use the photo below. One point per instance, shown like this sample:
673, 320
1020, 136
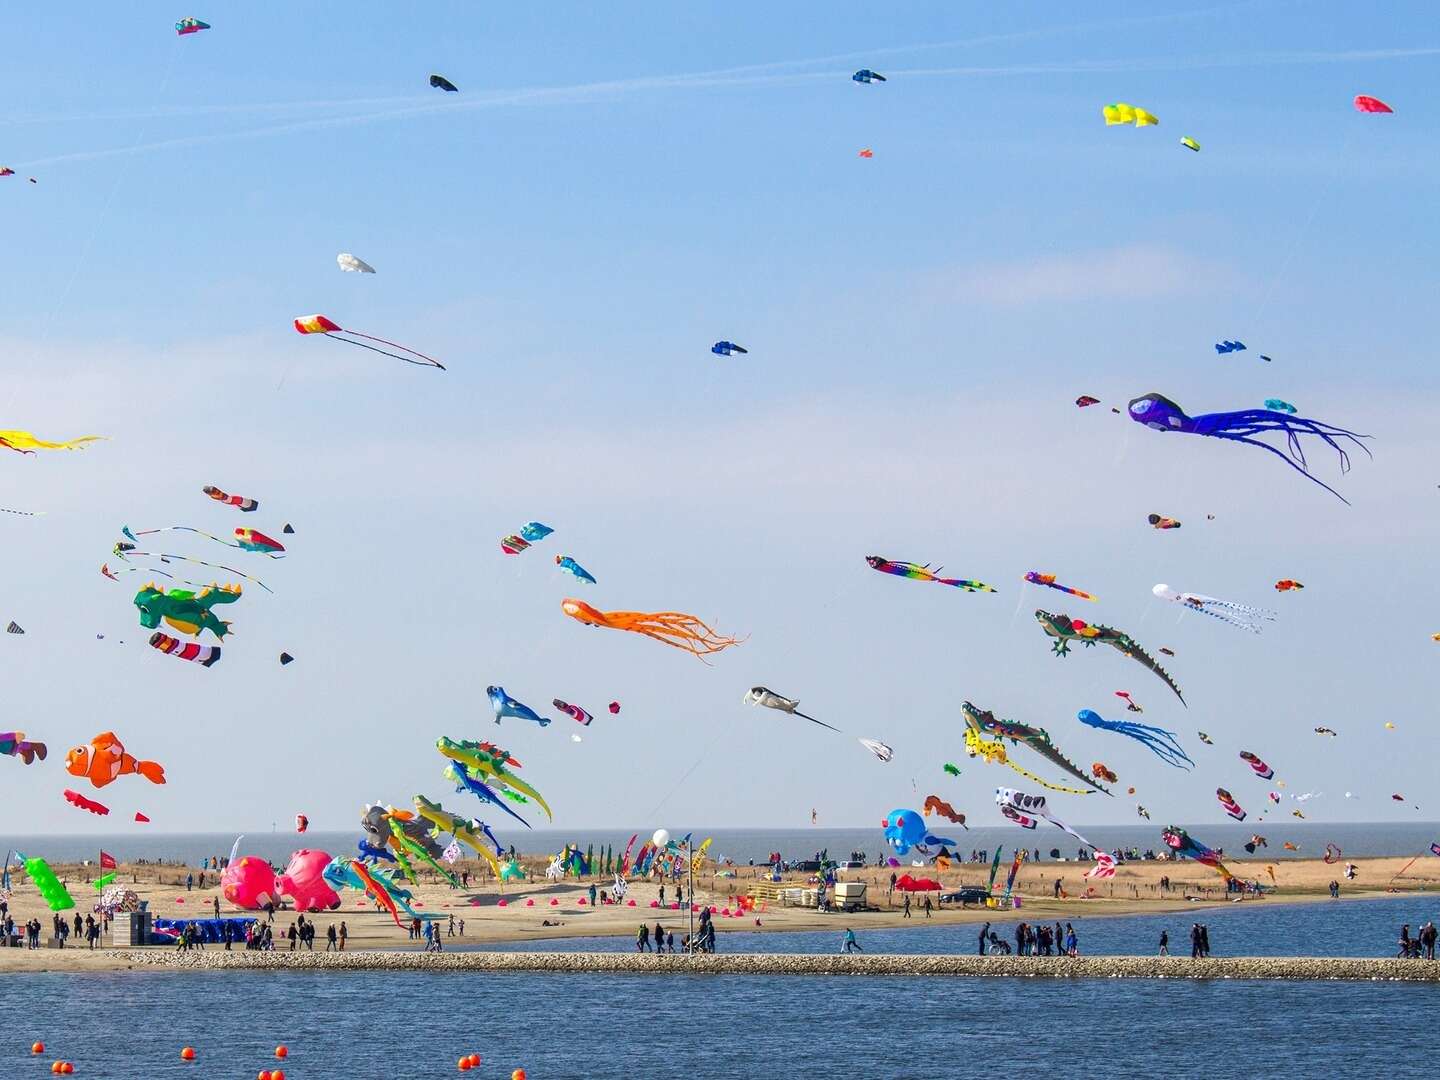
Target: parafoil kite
760, 695
1065, 630
574, 569
22, 442
916, 572
981, 722
1366, 103
319, 324
190, 26
1131, 705
74, 798
674, 628
1158, 522
105, 759
1163, 744
1223, 347
14, 744
1160, 413
879, 749
504, 705
1085, 399
1189, 143
1231, 806
1121, 113
1287, 585
1258, 767
1186, 846
1101, 771
186, 611
529, 534
936, 805
1227, 611
204, 655
141, 818
1018, 806
1277, 405
575, 712
1035, 577
865, 75
353, 265
240, 502
1398, 798
727, 348
439, 82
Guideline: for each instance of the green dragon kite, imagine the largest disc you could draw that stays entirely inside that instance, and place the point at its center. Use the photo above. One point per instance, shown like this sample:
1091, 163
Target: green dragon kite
186, 611
1065, 630
981, 722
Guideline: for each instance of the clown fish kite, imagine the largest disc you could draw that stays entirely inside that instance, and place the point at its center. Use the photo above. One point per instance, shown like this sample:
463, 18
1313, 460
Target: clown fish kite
319, 324
1287, 585
23, 442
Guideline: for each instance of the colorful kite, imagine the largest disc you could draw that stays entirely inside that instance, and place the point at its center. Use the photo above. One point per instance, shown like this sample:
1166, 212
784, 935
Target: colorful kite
1258, 767
1085, 400
350, 264
15, 628
1018, 806
674, 628
980, 723
14, 744
1186, 846
865, 75
1277, 405
1287, 585
238, 501
573, 568
504, 705
488, 762
474, 834
464, 780
1035, 577
936, 805
190, 26
1065, 630
727, 348
105, 759
1242, 615
529, 534
22, 442
575, 712
74, 798
188, 612
1223, 347
879, 749
245, 539
1121, 113
1163, 744
125, 550
1231, 806
866, 153
760, 695
1366, 103
1101, 771
301, 823
1205, 738
1160, 413
1332, 854
1158, 522
319, 324
204, 655
1131, 705
1139, 809
923, 573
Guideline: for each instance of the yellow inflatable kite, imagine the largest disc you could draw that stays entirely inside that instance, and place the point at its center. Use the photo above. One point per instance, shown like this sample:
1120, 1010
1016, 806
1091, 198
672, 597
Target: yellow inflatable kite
24, 443
1120, 113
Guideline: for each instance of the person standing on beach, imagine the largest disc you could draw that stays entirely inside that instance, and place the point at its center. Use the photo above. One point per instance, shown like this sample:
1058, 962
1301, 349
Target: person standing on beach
1020, 937
851, 945
1164, 943
217, 906
189, 882
929, 907
984, 937
907, 905
642, 938
592, 894
659, 937
1194, 941
344, 933
292, 935
662, 894
451, 931
1205, 941
462, 927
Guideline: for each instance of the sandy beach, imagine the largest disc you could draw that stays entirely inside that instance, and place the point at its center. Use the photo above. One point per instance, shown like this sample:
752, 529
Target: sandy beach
530, 906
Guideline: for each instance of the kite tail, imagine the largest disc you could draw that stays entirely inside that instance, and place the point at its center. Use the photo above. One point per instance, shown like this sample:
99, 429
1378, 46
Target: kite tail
968, 586
814, 721
151, 770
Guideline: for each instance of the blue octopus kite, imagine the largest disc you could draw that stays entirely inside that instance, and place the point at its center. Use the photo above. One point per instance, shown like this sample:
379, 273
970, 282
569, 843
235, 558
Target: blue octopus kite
1159, 412
1162, 743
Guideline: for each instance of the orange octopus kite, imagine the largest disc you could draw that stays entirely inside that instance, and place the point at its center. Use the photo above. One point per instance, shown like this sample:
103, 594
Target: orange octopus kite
671, 627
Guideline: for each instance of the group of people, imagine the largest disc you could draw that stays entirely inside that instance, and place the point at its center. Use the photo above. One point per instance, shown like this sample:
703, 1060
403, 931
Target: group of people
662, 940
1422, 943
303, 932
1032, 941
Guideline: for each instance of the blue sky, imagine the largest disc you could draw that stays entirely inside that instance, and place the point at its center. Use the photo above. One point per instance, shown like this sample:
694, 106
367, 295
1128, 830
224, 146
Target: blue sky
611, 191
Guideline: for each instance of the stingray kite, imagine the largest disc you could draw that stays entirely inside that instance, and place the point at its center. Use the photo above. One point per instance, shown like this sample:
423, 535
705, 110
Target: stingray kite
22, 442
1366, 103
1258, 767
573, 568
727, 348
936, 805
1018, 806
1035, 577
319, 324
760, 695
1160, 413
504, 705
1163, 744
923, 573
1121, 113
980, 723
439, 82
865, 75
190, 26
1227, 611
1065, 630
1231, 806
673, 628
1186, 846
530, 532
240, 502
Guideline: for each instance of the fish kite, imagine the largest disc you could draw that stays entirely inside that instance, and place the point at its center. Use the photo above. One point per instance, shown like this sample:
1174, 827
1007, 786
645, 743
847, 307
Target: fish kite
14, 744
204, 655
1065, 629
190, 26
529, 534
1287, 585
760, 695
575, 712
673, 628
1121, 113
1189, 143
504, 705
727, 348
980, 723
923, 573
1161, 414
1366, 103
439, 82
935, 804
1018, 806
105, 759
74, 798
1158, 522
1223, 347
351, 265
240, 502
1184, 845
1278, 405
1242, 615
1258, 767
1085, 399
319, 324
1231, 806
22, 442
1035, 577
573, 568
865, 75
1163, 744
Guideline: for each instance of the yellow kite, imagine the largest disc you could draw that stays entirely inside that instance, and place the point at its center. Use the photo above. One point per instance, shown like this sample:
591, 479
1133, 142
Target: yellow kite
25, 443
1120, 113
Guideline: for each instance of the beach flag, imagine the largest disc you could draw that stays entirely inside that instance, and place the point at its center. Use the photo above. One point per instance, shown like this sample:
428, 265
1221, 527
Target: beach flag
107, 861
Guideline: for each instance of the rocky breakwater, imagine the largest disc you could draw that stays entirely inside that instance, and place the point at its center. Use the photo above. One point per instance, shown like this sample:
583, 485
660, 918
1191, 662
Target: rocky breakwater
1041, 967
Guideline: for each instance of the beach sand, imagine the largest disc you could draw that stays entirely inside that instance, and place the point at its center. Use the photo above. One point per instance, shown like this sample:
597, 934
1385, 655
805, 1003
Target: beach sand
1135, 889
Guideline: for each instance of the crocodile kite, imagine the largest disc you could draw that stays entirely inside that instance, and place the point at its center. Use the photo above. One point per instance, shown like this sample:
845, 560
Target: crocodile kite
981, 722
1065, 629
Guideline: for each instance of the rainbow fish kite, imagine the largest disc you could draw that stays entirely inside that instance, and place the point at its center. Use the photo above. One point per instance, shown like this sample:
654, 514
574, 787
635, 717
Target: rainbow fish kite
1035, 577
915, 572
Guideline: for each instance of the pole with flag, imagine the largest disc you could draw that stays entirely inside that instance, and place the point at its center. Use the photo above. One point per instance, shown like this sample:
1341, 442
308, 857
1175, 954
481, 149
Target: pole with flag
107, 861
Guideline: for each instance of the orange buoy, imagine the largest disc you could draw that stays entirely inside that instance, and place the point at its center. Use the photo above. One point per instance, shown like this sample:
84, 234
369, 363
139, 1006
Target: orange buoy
277, 1074
475, 1060
69, 1068
55, 1067
263, 1074
37, 1048
187, 1053
464, 1064
518, 1074
282, 1052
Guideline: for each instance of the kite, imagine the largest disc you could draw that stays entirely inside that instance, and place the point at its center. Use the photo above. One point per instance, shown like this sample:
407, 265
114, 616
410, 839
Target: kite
51, 891
1275, 404
1291, 847
1256, 840
1131, 705
1189, 143
979, 723
1274, 797
1332, 854
1265, 358
1139, 809
1205, 738
14, 744
879, 749
614, 708
1160, 413
865, 75
1287, 585
14, 628
301, 823
575, 712
529, 534
188, 612
1121, 113
905, 829
124, 551
238, 501
319, 324
674, 628
1101, 771
1223, 347
460, 776
286, 658
485, 760
1297, 813
1035, 577
1186, 846
935, 804
1389, 726
190, 26
1366, 103
204, 655
474, 834
74, 798
105, 759
727, 348
439, 82
866, 153
1159, 522
1231, 806
1326, 731
504, 705
141, 818
760, 695
288, 530
245, 539
22, 442
1398, 798
923, 573
1017, 806
1065, 629
22, 513
1242, 615
1258, 767
570, 566
352, 265
1085, 399
1163, 744
1166, 652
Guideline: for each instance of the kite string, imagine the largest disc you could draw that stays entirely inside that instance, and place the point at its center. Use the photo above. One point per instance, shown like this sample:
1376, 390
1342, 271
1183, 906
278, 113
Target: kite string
393, 345
720, 731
